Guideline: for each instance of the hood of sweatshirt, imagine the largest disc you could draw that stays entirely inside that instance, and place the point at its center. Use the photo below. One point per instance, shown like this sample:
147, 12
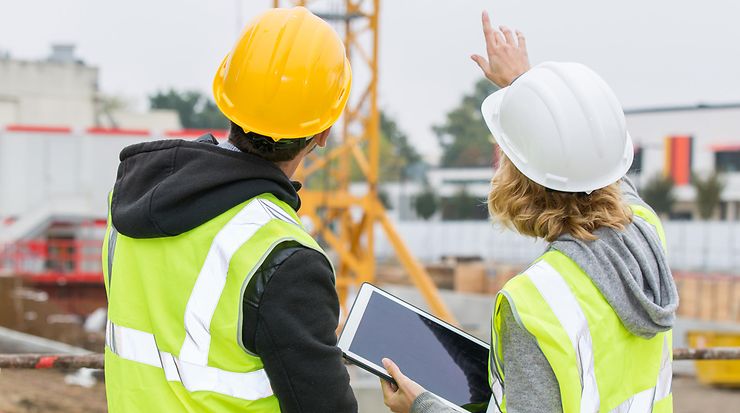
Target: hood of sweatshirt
631, 270
168, 187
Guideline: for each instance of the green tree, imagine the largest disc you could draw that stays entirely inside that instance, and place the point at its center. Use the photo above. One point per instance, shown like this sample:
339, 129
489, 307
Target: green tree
658, 193
462, 206
194, 109
398, 139
426, 203
708, 192
397, 155
105, 108
464, 137
385, 199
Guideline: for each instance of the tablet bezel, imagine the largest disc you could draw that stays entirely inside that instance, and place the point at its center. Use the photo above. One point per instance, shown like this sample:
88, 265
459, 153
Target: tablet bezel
355, 315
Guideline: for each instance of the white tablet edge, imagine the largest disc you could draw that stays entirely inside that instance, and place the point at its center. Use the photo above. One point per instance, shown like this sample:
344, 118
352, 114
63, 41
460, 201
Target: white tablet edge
354, 316
358, 310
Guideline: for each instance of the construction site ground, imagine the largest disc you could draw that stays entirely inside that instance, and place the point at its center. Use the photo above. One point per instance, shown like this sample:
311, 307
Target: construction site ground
24, 391
28, 310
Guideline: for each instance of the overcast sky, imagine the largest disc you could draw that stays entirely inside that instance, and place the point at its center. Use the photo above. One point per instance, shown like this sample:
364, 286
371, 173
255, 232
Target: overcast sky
654, 52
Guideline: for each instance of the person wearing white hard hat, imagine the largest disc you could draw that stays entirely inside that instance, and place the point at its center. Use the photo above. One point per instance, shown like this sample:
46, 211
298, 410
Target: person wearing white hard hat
587, 326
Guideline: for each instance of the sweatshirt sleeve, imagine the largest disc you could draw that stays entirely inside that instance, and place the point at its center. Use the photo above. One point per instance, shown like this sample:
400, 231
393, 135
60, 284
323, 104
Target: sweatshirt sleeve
296, 337
429, 403
530, 384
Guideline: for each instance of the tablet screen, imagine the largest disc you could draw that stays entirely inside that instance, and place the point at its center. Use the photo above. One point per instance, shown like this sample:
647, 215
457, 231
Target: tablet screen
442, 361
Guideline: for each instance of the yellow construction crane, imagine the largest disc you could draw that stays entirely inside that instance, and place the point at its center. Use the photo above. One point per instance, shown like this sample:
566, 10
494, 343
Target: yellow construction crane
345, 221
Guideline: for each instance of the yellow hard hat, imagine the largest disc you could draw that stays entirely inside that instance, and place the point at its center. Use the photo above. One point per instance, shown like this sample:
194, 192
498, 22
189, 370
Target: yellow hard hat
287, 76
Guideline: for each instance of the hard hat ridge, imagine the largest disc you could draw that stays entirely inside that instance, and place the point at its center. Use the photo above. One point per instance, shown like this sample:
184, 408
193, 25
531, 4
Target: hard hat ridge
562, 127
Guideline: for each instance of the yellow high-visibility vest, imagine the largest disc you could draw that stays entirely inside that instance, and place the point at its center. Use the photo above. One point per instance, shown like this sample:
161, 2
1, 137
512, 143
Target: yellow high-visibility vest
174, 337
599, 365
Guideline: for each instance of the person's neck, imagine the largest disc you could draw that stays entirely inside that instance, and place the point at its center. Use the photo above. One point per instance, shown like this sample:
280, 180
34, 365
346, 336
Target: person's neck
289, 167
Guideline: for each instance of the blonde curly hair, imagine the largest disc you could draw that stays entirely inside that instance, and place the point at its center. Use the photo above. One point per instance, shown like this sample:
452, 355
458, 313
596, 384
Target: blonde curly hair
531, 209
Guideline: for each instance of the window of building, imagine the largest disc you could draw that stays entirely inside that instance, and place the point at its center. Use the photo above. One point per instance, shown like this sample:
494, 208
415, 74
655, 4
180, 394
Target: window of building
727, 161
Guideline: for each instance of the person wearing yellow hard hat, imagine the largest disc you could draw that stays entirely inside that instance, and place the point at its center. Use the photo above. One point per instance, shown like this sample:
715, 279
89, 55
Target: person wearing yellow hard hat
219, 300
587, 326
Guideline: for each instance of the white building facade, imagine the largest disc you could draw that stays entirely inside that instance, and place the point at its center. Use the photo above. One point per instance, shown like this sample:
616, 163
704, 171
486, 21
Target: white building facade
62, 90
715, 146
714, 133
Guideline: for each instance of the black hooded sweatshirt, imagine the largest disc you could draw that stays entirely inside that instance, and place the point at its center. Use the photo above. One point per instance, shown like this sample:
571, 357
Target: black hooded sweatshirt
290, 312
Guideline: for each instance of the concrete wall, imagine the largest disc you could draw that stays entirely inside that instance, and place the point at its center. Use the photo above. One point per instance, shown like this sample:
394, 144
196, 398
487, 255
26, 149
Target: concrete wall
156, 119
37, 169
65, 93
47, 93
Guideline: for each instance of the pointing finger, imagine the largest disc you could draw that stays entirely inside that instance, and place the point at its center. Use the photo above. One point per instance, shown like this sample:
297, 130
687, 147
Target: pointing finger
488, 32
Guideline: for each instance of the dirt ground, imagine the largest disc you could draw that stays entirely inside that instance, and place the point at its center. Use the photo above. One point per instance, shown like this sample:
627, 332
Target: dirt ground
29, 391
23, 391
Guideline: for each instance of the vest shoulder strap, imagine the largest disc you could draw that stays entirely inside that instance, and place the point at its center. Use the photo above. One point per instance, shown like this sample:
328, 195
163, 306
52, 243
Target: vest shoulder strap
651, 218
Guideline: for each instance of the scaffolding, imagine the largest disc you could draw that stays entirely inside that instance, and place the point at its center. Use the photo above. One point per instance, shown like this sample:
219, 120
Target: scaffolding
346, 222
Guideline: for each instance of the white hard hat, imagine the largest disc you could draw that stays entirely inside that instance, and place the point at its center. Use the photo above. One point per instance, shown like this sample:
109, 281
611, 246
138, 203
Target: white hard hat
562, 127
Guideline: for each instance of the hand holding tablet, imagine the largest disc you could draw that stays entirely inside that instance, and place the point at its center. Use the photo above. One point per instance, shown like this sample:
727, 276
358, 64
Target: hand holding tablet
441, 358
399, 396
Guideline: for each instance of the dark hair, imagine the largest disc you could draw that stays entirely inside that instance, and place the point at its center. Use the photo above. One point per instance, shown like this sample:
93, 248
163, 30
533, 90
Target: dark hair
264, 146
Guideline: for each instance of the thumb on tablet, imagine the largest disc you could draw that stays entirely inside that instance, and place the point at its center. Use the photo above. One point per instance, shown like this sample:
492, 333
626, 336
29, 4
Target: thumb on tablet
404, 383
392, 369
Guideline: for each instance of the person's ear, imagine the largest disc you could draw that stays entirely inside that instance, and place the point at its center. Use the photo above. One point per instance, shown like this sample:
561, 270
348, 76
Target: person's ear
322, 138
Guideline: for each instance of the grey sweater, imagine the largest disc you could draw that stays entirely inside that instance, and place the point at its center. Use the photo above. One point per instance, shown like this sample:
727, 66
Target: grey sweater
629, 268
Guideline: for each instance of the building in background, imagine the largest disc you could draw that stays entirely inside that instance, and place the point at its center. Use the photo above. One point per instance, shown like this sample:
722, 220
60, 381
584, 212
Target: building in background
59, 143
62, 90
674, 141
681, 141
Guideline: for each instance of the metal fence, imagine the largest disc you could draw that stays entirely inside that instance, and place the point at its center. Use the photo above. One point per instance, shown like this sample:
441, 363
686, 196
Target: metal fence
692, 246
53, 261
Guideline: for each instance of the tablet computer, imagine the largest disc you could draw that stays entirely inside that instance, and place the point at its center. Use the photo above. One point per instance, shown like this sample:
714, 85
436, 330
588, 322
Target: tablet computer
443, 359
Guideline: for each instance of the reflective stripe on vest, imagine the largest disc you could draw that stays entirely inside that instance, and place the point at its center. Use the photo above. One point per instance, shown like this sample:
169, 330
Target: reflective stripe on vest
141, 347
564, 304
557, 303
212, 277
112, 237
498, 394
190, 367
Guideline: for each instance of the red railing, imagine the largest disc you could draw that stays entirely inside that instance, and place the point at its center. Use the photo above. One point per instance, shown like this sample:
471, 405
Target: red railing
56, 261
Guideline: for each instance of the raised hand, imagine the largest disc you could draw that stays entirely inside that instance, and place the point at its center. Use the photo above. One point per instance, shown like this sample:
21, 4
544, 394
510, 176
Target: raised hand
507, 54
